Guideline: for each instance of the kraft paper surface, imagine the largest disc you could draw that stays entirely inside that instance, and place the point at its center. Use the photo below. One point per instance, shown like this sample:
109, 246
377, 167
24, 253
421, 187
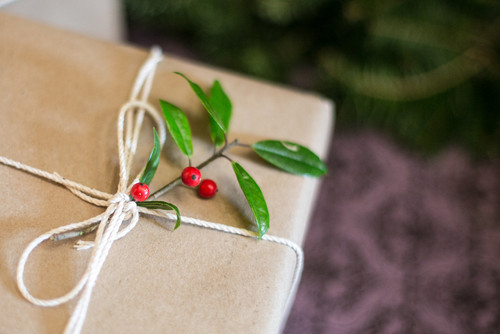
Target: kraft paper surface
60, 94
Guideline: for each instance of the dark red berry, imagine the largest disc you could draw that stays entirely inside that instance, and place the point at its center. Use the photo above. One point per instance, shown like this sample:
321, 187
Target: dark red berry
207, 188
140, 192
191, 176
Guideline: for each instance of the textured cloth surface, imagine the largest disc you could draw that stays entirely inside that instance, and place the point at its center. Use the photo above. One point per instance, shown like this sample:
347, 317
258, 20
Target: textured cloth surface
401, 245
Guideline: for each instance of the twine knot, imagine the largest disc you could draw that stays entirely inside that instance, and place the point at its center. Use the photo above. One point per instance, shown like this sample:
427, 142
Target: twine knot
121, 197
130, 206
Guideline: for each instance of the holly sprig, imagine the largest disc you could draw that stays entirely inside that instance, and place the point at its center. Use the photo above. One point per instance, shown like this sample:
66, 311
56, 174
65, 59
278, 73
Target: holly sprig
284, 155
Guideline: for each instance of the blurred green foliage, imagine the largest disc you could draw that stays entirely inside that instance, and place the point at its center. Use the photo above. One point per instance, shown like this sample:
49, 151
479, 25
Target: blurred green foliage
426, 71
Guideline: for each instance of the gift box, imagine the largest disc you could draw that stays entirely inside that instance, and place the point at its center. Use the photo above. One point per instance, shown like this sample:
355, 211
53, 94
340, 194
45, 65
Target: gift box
60, 95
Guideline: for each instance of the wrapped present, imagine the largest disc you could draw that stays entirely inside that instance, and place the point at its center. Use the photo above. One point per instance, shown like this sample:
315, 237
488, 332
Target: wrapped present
61, 94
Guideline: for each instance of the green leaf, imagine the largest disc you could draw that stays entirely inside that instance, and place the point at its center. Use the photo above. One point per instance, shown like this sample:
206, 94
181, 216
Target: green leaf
205, 102
222, 104
254, 197
290, 157
153, 161
178, 126
160, 205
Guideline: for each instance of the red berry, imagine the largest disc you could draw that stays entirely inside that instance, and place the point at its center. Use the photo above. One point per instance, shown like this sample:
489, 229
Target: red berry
191, 176
207, 188
140, 192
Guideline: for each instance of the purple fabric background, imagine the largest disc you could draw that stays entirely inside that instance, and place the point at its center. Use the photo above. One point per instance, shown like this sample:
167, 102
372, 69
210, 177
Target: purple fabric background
399, 244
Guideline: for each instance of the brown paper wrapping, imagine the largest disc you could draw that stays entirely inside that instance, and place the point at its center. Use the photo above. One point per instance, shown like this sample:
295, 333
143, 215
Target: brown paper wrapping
59, 95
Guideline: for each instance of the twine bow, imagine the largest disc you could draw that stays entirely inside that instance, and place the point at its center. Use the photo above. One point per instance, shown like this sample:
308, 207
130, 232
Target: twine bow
122, 213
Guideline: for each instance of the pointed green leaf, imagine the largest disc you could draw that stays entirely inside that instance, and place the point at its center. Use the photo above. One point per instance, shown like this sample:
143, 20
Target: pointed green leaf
221, 103
290, 157
153, 161
255, 199
205, 102
178, 126
160, 205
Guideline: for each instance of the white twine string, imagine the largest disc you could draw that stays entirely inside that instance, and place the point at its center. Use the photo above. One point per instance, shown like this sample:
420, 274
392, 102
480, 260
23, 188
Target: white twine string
121, 211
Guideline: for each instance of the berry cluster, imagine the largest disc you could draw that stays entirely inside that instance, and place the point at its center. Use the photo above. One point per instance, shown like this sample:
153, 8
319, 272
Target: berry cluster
191, 177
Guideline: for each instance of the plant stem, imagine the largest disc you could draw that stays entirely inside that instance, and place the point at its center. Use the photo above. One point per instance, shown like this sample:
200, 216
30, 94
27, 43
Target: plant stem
74, 233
